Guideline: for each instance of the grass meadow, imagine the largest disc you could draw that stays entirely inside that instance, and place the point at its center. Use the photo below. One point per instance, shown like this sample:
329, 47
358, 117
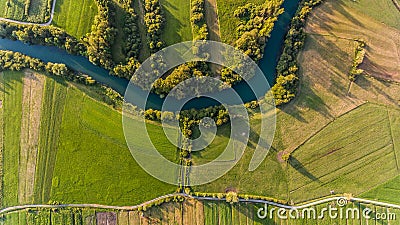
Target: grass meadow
374, 9
82, 156
361, 146
76, 17
12, 112
177, 21
328, 121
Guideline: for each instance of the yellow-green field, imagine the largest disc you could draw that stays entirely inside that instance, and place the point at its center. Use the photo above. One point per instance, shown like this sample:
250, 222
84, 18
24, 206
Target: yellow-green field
76, 17
342, 135
61, 145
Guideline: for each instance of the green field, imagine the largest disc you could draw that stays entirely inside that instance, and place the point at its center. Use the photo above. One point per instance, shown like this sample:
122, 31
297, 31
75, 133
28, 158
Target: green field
387, 192
76, 17
228, 22
11, 94
374, 9
177, 21
273, 183
323, 124
82, 155
362, 148
38, 11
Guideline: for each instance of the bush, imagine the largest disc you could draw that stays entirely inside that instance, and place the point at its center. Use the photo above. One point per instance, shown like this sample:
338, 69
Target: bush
154, 21
41, 35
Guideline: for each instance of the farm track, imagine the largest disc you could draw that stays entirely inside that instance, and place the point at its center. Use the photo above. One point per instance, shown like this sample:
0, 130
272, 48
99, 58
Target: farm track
28, 23
211, 11
396, 4
188, 197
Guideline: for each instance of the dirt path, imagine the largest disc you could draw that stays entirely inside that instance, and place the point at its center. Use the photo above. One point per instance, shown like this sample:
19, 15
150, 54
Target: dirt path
31, 111
396, 4
212, 20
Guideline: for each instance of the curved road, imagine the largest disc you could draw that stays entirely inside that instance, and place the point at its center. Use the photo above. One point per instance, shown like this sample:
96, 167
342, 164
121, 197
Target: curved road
28, 23
306, 205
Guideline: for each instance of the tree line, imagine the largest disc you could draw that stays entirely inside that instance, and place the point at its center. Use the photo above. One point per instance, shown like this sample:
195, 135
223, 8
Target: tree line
256, 24
198, 20
285, 87
16, 61
132, 43
359, 55
101, 37
154, 20
42, 35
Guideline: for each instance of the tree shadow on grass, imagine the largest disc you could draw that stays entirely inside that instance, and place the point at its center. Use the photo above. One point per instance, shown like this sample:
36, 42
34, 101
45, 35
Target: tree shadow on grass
299, 167
170, 32
367, 85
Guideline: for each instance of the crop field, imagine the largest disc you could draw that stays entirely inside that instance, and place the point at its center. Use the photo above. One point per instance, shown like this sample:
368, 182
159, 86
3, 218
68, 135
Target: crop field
228, 22
347, 21
220, 213
325, 96
273, 183
51, 118
36, 11
76, 17
374, 9
60, 160
365, 147
177, 21
12, 113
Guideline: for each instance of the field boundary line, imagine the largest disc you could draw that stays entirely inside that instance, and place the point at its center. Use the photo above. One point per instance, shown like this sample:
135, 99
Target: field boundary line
391, 137
319, 130
396, 4
29, 23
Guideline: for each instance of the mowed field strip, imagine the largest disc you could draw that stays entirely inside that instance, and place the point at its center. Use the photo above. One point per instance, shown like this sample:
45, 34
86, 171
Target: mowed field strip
31, 111
78, 145
76, 17
177, 21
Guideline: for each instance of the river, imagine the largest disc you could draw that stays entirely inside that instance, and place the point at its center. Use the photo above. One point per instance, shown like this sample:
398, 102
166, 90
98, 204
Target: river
79, 63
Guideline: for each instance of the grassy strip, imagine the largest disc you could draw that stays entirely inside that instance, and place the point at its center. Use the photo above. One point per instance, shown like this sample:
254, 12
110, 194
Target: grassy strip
52, 110
76, 17
107, 161
12, 114
2, 95
32, 102
177, 26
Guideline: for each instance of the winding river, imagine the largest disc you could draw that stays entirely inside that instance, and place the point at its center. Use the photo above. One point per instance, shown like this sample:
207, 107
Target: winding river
82, 64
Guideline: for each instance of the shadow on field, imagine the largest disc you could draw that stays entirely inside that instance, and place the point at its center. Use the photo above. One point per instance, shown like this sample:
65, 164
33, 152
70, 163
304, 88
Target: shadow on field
298, 166
365, 84
175, 25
